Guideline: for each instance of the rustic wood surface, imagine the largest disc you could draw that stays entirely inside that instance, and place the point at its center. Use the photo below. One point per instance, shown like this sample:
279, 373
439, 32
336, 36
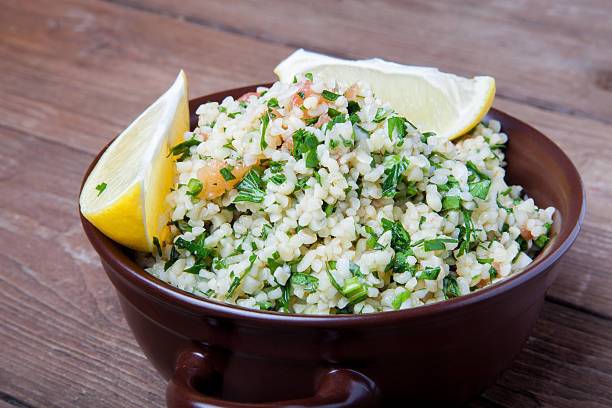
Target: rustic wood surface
74, 73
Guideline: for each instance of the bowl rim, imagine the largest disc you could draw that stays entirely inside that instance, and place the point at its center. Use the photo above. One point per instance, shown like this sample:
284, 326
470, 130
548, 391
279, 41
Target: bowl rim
114, 255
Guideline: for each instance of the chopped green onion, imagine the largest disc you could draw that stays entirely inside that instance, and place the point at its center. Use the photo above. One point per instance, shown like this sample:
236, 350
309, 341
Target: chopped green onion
308, 76
353, 107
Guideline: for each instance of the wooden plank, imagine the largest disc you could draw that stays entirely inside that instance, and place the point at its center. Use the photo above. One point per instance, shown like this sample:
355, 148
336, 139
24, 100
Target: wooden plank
560, 48
64, 340
103, 95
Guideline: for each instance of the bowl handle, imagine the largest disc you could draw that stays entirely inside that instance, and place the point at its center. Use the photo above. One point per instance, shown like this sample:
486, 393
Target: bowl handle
337, 387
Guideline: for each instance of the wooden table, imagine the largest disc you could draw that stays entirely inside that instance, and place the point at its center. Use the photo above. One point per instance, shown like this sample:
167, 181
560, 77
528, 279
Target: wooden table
74, 73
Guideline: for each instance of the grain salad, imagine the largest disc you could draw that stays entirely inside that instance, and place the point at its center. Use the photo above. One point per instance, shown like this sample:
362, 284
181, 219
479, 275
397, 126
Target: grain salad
315, 197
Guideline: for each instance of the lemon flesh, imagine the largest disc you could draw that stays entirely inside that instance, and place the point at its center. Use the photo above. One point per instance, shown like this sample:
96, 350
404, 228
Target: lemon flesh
124, 195
434, 101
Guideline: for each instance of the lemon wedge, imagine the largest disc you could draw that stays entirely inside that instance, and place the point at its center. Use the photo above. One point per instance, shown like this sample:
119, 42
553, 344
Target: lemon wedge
124, 195
434, 101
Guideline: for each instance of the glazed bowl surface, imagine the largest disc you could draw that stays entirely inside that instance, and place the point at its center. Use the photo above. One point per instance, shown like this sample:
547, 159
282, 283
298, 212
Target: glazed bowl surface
216, 354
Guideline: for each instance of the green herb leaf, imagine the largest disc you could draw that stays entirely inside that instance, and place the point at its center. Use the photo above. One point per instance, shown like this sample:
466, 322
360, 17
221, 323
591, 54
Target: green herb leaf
437, 244
308, 76
426, 135
480, 189
354, 290
174, 256
309, 282
278, 178
353, 107
398, 300
400, 239
330, 96
332, 113
276, 166
182, 149
273, 103
430, 273
355, 270
450, 287
311, 121
157, 246
396, 123
226, 172
265, 120
251, 188
238, 279
381, 114
194, 187
389, 186
541, 241
484, 261
328, 209
100, 187
451, 202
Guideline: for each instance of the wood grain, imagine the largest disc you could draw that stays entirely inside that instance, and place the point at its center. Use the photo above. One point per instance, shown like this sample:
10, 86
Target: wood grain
555, 46
74, 73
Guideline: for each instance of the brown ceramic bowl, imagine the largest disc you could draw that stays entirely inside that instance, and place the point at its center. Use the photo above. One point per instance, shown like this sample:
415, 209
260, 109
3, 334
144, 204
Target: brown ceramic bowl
215, 354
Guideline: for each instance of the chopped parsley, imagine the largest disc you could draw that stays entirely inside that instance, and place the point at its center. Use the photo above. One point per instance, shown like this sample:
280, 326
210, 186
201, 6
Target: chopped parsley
226, 172
330, 96
430, 273
305, 142
101, 187
399, 300
393, 174
309, 282
157, 246
450, 287
278, 178
372, 242
381, 114
308, 76
396, 123
273, 103
183, 149
332, 113
194, 187
265, 120
251, 188
426, 135
466, 233
437, 244
353, 107
400, 239
237, 279
451, 202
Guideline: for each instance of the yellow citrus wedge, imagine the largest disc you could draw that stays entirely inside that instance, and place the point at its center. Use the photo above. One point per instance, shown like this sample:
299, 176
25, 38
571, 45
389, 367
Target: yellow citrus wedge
124, 196
434, 101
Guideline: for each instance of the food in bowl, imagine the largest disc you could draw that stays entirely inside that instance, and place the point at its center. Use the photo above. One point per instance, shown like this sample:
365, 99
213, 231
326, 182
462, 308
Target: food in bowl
313, 196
